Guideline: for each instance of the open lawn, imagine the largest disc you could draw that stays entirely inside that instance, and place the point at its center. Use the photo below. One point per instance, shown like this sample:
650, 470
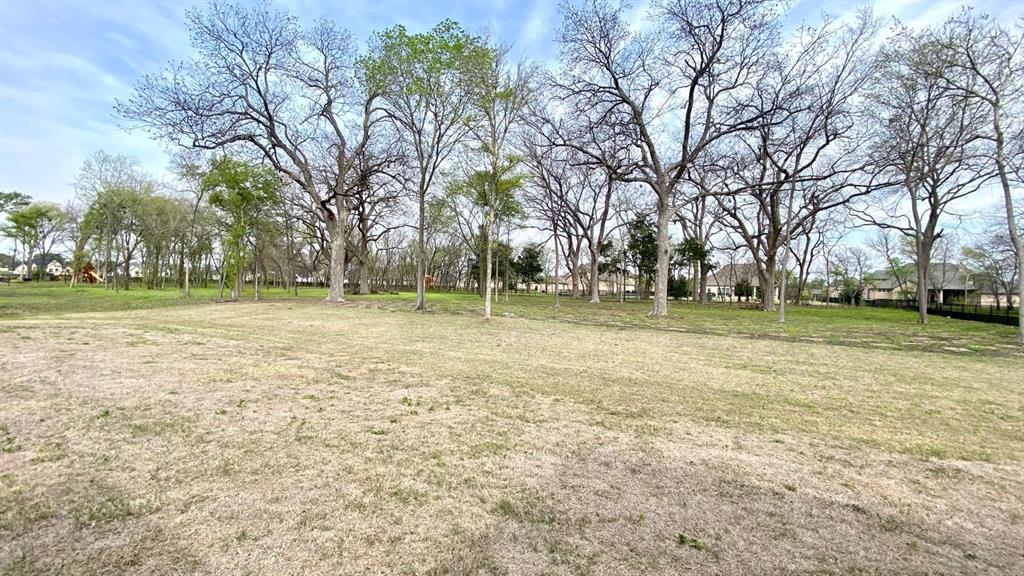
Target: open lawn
142, 433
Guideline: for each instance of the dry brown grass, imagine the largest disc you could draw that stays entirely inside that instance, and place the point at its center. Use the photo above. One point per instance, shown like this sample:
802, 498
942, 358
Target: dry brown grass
301, 439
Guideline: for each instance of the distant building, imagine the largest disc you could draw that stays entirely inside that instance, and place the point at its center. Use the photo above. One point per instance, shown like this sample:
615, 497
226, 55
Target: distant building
722, 281
608, 284
55, 268
947, 283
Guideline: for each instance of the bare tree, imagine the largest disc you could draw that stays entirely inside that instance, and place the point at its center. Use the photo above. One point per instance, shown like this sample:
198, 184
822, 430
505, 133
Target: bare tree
984, 61
549, 197
585, 186
994, 259
887, 247
928, 147
375, 197
810, 243
804, 160
261, 82
101, 172
670, 93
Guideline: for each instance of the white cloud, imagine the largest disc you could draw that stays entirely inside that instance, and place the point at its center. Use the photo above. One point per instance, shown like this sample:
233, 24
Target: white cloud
538, 24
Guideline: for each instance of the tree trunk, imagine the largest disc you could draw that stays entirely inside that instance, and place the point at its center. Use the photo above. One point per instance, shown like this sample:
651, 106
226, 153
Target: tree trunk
256, 272
421, 254
922, 286
595, 275
785, 248
575, 264
364, 276
30, 254
1011, 222
236, 292
220, 289
557, 266
487, 261
508, 259
704, 284
482, 275
622, 291
336, 292
127, 270
767, 279
660, 307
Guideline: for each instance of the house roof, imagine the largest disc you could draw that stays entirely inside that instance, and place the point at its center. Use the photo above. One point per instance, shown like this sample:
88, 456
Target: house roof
942, 275
730, 274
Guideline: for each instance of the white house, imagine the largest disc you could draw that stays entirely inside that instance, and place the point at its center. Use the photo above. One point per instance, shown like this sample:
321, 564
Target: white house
55, 268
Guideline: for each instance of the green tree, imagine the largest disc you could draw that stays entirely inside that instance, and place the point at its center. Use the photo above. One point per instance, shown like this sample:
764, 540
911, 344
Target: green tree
499, 98
113, 220
36, 227
678, 287
744, 289
10, 201
473, 204
243, 193
162, 225
427, 83
642, 250
689, 252
529, 265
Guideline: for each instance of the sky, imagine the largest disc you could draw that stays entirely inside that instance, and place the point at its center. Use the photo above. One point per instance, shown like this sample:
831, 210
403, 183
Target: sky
64, 63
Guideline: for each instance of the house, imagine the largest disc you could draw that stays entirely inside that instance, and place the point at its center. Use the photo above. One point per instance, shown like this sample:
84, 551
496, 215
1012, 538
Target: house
948, 283
608, 284
722, 281
55, 268
884, 285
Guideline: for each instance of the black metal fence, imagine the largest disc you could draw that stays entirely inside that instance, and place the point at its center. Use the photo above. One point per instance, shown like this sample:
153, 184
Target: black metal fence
1008, 315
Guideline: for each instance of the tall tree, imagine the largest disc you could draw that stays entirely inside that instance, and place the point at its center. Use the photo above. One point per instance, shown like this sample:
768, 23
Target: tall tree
376, 199
555, 190
245, 194
983, 60
500, 95
37, 227
672, 92
805, 158
426, 82
928, 148
101, 174
290, 96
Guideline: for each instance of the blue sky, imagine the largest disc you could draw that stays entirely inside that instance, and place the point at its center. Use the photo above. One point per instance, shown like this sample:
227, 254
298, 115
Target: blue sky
63, 63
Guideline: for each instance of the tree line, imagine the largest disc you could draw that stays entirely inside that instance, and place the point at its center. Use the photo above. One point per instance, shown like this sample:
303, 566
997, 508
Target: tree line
705, 129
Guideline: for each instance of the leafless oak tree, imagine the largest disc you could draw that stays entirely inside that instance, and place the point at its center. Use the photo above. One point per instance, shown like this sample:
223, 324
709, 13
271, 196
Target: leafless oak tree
262, 82
671, 92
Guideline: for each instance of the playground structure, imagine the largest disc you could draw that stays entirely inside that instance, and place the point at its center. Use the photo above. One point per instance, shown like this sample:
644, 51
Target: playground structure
88, 274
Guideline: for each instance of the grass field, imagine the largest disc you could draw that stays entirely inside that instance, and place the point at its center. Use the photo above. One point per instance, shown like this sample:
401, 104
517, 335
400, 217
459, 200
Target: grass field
143, 433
